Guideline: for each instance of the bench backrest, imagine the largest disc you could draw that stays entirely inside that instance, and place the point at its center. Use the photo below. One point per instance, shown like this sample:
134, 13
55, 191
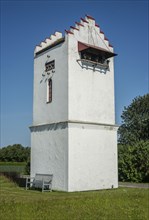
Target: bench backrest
44, 177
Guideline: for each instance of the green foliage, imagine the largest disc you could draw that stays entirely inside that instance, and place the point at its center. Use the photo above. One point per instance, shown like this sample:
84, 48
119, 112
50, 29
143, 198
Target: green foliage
134, 141
135, 121
14, 153
12, 163
122, 203
133, 162
27, 167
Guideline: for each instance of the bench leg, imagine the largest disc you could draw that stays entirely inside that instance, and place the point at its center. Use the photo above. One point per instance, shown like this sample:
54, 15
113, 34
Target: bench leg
42, 187
26, 184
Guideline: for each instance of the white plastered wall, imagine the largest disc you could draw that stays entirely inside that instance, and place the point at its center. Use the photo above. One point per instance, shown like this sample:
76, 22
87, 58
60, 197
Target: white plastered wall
90, 93
82, 156
92, 157
49, 135
57, 110
49, 153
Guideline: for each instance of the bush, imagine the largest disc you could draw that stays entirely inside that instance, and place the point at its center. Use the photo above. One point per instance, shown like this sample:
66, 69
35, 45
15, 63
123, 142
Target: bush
27, 167
14, 153
133, 162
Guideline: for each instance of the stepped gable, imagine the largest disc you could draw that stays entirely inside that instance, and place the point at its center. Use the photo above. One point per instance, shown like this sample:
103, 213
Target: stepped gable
48, 41
86, 31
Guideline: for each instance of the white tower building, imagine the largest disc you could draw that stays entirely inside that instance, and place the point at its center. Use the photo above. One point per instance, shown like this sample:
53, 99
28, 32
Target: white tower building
74, 136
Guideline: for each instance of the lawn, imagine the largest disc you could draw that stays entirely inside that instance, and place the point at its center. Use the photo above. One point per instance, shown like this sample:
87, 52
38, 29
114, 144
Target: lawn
117, 204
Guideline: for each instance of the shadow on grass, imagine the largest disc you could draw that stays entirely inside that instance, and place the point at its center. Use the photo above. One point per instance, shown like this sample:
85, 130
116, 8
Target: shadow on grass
15, 177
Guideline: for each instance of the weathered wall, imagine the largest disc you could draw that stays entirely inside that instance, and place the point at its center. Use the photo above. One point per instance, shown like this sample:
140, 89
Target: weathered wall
57, 110
92, 157
49, 136
93, 137
91, 93
49, 153
74, 137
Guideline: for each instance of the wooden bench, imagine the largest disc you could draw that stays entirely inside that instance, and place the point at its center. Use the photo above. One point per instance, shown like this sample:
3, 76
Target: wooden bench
42, 181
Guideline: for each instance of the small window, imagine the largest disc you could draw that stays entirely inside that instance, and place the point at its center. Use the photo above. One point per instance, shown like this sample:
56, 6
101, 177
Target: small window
50, 66
49, 91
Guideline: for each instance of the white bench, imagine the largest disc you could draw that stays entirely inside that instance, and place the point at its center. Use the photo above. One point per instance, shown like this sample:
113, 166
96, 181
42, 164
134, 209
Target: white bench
42, 181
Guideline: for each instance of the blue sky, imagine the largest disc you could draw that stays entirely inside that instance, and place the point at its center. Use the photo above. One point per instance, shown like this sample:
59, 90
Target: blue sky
24, 24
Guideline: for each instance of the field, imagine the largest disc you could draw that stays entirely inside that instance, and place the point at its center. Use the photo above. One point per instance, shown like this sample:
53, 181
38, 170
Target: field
12, 167
118, 204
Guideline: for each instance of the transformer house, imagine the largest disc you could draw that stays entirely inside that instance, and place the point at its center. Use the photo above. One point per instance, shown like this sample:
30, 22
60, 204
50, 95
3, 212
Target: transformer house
74, 136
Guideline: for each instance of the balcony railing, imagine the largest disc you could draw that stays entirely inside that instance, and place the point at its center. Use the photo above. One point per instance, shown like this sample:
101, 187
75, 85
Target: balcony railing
104, 65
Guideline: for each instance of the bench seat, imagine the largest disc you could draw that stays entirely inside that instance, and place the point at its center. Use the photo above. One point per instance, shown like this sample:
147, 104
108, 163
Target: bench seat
42, 181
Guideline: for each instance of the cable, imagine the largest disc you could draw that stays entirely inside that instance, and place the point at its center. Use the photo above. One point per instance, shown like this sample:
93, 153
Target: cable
102, 40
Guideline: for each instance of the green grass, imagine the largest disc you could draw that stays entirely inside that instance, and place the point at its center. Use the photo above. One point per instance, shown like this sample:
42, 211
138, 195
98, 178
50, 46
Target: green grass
117, 204
12, 163
12, 167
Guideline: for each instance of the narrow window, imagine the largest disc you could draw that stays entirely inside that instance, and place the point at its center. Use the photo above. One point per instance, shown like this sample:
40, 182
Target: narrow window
49, 91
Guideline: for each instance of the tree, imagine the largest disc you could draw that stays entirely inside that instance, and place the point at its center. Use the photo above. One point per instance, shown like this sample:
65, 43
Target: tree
133, 162
14, 153
133, 148
135, 121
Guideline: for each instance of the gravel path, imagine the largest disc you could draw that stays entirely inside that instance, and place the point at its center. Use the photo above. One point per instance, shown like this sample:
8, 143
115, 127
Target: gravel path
134, 185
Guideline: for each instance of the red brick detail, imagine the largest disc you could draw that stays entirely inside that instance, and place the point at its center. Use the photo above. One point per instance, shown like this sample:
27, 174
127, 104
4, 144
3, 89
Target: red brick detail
90, 17
96, 25
84, 20
101, 32
79, 24
110, 45
74, 28
106, 38
68, 32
